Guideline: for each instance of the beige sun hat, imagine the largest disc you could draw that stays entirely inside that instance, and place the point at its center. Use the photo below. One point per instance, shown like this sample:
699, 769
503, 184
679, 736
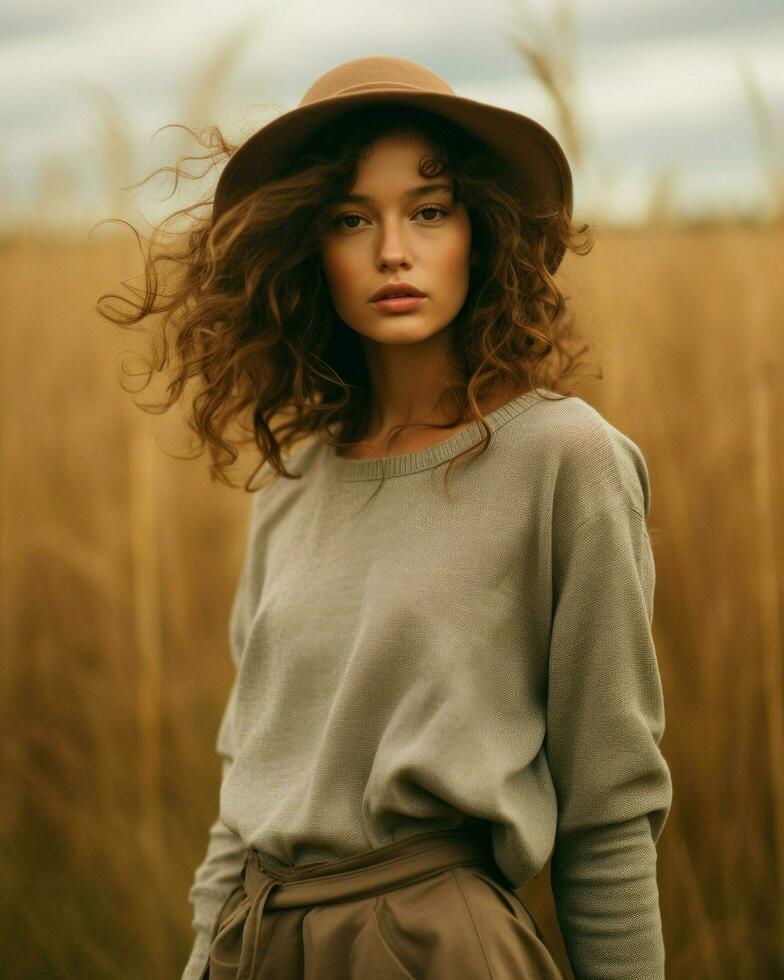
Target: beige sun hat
533, 155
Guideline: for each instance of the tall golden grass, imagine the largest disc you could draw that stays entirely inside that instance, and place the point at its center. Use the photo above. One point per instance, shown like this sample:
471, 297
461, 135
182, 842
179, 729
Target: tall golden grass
118, 565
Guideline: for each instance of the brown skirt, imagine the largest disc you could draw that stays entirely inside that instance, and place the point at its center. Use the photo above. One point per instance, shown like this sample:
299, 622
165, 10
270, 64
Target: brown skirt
433, 906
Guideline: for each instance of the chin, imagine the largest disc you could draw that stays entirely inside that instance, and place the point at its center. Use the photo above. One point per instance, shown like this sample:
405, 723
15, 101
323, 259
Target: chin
407, 330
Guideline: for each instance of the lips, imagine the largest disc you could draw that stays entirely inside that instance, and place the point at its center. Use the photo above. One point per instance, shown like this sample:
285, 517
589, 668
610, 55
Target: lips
391, 289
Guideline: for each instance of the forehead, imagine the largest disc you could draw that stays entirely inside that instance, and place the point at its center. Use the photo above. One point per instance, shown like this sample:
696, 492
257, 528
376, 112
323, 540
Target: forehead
391, 164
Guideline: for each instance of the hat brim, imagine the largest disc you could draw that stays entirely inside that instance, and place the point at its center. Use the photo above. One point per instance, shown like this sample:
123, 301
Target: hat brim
534, 157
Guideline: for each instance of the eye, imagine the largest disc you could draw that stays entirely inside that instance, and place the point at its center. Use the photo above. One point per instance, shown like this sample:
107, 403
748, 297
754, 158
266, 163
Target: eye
346, 217
432, 207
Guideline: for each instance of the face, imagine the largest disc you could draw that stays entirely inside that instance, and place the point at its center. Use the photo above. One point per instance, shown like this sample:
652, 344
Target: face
400, 227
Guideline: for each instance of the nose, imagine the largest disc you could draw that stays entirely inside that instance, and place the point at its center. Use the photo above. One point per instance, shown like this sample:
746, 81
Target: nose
392, 250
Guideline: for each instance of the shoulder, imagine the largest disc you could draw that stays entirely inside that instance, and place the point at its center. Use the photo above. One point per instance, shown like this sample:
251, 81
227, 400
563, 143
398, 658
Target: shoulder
593, 464
270, 488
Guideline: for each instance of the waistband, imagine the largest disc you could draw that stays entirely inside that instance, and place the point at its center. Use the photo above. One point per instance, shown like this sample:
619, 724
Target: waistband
368, 873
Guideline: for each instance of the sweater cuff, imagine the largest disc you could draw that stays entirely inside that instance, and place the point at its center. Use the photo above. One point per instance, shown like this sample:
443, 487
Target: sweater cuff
607, 902
199, 955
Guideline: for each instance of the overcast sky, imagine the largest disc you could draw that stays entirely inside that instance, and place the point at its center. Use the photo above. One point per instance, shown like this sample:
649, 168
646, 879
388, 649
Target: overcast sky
659, 83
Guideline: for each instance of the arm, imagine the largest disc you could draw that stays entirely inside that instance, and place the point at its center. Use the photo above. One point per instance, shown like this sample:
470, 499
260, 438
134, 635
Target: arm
219, 873
605, 719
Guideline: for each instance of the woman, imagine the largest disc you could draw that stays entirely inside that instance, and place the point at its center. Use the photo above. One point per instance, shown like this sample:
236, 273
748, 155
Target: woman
434, 690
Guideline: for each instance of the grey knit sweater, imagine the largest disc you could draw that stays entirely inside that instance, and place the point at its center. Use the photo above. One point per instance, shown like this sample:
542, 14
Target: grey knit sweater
410, 660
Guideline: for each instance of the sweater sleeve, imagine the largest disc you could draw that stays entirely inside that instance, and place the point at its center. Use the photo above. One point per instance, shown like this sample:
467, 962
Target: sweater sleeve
605, 719
219, 873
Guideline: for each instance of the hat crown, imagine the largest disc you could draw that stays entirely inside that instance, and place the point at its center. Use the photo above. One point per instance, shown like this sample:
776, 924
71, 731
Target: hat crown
375, 73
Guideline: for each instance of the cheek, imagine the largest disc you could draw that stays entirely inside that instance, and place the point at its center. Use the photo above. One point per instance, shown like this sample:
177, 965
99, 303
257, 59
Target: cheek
456, 252
339, 271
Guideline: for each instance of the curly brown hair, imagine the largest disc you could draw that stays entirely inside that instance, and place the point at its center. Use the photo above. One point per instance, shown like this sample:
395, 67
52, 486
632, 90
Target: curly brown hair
245, 301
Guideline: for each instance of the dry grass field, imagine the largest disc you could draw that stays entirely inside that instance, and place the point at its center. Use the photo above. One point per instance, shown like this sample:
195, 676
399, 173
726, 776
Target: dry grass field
119, 562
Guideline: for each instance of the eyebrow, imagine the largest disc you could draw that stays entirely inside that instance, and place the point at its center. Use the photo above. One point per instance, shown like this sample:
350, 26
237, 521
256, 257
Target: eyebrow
411, 193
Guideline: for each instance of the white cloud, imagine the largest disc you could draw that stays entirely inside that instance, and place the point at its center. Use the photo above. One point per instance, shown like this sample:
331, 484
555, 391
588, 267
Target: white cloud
658, 79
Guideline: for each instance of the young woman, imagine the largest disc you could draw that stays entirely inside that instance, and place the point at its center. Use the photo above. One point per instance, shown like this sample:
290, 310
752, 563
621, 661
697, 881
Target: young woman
437, 687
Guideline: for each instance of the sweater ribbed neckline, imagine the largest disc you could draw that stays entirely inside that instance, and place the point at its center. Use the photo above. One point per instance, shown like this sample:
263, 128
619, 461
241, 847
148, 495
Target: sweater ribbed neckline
439, 452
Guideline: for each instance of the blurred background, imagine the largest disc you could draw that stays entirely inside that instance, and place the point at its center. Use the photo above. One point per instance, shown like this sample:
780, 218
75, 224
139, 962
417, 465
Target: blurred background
119, 560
